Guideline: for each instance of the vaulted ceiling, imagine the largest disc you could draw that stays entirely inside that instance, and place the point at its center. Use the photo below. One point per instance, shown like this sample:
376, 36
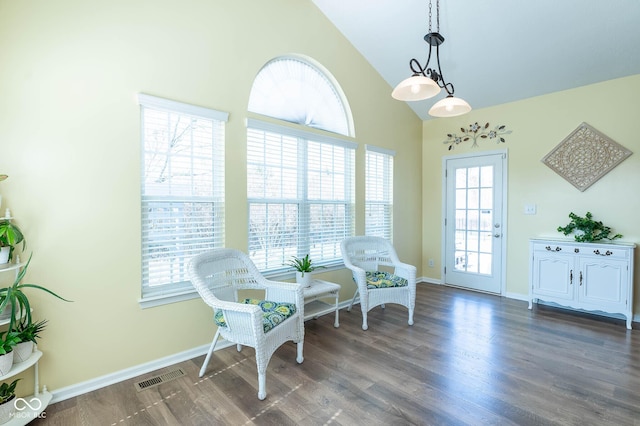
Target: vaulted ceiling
496, 51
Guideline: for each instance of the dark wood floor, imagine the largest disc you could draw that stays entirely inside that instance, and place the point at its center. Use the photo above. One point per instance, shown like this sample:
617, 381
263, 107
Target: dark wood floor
470, 358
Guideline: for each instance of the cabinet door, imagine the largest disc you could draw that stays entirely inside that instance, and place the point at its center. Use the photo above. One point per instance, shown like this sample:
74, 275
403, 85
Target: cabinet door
603, 284
553, 275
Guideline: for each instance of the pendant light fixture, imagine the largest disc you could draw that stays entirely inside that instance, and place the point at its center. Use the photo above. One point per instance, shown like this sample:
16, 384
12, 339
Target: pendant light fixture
426, 82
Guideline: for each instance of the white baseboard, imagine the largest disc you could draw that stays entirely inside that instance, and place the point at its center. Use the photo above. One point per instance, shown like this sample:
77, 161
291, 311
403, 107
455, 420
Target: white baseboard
428, 280
129, 373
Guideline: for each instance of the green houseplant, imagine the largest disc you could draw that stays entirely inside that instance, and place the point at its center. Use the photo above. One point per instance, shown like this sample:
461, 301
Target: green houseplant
586, 229
303, 265
15, 297
28, 333
8, 340
7, 394
10, 236
8, 391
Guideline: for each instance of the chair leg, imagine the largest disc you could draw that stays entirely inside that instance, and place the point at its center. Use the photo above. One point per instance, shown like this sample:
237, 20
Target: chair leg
300, 358
208, 357
365, 326
352, 300
238, 347
410, 316
262, 386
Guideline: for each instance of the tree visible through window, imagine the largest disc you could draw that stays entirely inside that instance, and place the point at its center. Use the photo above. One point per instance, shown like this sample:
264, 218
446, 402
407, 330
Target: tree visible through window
182, 190
300, 183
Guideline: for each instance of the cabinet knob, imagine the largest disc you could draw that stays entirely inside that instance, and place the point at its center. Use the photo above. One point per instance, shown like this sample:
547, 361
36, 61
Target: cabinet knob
606, 253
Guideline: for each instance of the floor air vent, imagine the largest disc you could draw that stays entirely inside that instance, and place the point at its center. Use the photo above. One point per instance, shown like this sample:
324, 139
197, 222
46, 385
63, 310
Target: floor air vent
156, 380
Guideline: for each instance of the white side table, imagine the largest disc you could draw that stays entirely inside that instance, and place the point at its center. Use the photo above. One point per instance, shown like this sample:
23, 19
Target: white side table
314, 306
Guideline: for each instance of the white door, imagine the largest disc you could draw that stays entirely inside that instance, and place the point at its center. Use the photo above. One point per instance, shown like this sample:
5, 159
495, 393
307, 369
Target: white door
474, 226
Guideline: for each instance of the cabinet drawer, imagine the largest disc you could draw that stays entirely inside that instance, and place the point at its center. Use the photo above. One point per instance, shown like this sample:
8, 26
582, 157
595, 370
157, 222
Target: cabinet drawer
595, 250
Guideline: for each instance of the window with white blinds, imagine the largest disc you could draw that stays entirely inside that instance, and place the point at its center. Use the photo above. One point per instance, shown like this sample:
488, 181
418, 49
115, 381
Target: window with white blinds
379, 192
300, 189
182, 191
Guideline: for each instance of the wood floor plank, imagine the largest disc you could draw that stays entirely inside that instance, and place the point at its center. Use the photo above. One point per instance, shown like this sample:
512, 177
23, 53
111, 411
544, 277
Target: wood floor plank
469, 359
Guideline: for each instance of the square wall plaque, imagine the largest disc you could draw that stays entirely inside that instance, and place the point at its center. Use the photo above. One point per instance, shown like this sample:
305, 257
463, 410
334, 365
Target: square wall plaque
585, 156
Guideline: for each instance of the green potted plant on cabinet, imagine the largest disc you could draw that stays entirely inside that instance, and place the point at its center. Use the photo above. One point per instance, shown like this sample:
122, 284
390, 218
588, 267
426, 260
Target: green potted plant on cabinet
7, 394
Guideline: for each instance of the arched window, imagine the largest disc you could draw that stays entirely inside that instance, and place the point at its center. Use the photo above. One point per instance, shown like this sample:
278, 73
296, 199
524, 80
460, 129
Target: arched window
300, 182
295, 90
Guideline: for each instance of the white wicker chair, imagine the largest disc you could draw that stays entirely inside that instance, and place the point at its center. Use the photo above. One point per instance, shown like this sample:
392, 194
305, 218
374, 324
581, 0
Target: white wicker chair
218, 275
364, 254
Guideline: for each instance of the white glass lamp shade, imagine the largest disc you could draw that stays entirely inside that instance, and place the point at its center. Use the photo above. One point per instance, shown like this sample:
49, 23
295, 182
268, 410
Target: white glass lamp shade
449, 107
416, 88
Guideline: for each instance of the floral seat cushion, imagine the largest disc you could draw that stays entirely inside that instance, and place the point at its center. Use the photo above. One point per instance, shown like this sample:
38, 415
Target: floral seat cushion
273, 313
379, 279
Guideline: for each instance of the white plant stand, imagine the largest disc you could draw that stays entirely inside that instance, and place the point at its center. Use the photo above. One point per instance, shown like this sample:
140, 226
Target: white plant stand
29, 407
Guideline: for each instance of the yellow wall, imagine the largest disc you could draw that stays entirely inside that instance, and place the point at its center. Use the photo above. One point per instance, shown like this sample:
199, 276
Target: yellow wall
69, 133
538, 125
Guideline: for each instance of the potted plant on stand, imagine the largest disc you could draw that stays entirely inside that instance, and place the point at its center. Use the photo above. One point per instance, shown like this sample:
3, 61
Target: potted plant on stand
10, 236
8, 340
28, 333
15, 297
303, 267
7, 394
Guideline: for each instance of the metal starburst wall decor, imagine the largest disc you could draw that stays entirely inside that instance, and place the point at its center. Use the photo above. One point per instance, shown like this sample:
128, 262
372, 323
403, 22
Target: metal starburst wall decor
476, 131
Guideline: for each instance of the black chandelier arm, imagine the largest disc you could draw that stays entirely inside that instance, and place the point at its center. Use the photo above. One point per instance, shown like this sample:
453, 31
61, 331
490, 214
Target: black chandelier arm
446, 86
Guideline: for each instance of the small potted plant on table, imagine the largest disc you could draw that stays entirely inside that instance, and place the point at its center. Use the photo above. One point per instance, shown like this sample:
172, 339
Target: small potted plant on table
303, 267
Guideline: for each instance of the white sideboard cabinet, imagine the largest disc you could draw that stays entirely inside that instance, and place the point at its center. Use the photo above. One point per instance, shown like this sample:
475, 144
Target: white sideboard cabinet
596, 277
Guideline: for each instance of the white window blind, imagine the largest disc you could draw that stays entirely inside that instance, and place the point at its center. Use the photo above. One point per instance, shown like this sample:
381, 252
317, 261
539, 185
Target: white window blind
300, 189
182, 190
379, 192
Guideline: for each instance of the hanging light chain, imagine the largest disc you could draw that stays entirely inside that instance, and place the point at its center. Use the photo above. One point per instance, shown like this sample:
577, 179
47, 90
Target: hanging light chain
437, 15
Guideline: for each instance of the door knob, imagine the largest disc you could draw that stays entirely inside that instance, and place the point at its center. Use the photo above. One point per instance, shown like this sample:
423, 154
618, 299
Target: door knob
496, 235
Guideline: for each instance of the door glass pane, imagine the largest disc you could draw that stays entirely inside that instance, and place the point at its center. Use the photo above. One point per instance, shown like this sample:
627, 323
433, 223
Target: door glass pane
486, 239
486, 176
461, 178
461, 198
461, 261
461, 240
472, 219
485, 220
485, 263
472, 261
486, 198
474, 177
473, 199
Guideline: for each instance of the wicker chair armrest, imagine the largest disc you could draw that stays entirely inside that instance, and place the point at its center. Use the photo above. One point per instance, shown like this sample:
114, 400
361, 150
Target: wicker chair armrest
405, 270
280, 291
242, 319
